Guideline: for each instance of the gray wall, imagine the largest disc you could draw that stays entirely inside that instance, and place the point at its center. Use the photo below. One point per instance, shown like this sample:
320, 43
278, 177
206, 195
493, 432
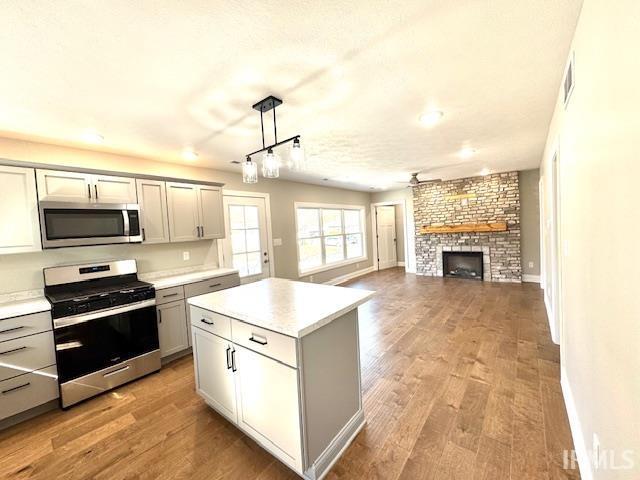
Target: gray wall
530, 221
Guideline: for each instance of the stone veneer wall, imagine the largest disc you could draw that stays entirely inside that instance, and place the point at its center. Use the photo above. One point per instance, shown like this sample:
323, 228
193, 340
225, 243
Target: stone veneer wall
497, 199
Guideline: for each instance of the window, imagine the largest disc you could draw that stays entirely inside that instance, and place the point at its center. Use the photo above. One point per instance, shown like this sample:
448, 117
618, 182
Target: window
245, 239
329, 236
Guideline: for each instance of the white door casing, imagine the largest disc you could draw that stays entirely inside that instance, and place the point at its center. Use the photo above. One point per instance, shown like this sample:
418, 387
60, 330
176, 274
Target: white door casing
386, 236
246, 246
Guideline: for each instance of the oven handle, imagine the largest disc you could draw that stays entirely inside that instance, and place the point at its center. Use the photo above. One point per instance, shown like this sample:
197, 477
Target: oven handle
107, 312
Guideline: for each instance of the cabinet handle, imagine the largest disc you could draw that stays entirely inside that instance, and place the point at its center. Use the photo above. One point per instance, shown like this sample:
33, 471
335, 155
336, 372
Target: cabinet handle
6, 352
159, 316
228, 359
95, 187
9, 390
89, 190
198, 231
144, 237
260, 341
215, 285
233, 360
206, 321
202, 230
12, 329
170, 295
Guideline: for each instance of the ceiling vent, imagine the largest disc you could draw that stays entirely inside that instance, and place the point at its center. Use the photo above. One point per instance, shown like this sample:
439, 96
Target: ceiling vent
569, 80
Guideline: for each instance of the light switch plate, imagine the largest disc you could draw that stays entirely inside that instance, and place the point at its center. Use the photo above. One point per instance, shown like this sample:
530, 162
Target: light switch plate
186, 256
530, 264
277, 242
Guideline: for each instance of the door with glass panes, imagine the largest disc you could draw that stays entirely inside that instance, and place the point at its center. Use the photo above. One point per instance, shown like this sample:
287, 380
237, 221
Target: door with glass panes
245, 247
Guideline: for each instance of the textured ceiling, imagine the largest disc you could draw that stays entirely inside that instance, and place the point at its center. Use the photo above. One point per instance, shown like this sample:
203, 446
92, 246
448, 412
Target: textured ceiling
156, 77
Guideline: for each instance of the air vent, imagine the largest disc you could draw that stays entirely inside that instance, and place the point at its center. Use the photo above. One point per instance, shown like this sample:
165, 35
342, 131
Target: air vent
569, 80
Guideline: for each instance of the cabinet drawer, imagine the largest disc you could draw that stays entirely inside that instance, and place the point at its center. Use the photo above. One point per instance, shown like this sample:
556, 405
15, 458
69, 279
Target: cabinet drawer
272, 344
211, 322
27, 391
167, 295
17, 327
213, 285
26, 354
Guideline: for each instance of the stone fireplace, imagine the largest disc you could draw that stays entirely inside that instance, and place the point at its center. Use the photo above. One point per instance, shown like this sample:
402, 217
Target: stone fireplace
458, 210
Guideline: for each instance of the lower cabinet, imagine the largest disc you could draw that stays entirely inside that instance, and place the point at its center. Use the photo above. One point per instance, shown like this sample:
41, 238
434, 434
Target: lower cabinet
172, 328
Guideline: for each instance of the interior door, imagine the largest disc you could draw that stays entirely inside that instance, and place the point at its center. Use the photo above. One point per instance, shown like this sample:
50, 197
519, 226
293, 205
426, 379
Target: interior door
152, 198
386, 236
214, 376
110, 189
267, 393
246, 245
210, 205
182, 205
59, 186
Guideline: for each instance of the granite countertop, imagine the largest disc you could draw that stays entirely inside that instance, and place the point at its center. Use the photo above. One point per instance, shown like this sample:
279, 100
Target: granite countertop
291, 308
23, 303
173, 278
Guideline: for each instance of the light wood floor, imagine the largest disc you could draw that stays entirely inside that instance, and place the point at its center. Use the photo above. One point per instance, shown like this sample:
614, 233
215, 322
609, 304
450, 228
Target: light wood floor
460, 378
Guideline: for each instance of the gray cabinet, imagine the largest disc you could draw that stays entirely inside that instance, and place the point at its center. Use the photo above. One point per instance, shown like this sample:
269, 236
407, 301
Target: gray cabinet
63, 186
154, 217
19, 212
172, 328
195, 212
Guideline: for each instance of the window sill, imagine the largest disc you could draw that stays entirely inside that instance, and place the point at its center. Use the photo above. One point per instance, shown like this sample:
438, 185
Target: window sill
331, 266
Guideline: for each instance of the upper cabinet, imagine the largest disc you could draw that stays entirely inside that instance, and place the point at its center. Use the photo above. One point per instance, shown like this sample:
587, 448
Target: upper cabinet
211, 211
152, 198
19, 225
195, 212
61, 186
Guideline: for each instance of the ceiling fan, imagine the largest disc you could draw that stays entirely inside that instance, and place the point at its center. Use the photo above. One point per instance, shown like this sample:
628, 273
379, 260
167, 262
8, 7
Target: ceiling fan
414, 181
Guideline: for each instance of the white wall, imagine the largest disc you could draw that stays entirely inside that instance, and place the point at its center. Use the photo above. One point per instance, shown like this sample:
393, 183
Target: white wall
598, 143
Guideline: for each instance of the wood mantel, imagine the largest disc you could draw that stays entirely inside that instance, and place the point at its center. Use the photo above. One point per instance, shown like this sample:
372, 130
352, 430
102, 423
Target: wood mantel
464, 228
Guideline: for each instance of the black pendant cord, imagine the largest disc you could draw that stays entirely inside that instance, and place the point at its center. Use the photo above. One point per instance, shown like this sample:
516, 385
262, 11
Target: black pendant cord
275, 128
262, 125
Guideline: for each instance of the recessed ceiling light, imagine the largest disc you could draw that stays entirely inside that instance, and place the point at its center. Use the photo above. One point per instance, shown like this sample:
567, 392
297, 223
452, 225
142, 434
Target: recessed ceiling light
485, 171
466, 152
429, 119
189, 155
91, 136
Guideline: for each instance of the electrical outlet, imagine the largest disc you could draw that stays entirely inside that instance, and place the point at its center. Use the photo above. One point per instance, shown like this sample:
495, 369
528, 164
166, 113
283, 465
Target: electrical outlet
530, 264
596, 450
186, 256
311, 278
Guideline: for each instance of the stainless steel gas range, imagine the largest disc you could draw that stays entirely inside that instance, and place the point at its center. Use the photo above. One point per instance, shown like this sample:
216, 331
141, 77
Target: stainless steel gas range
104, 324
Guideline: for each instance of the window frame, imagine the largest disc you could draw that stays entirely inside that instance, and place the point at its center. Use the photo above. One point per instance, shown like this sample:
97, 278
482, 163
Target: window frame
346, 261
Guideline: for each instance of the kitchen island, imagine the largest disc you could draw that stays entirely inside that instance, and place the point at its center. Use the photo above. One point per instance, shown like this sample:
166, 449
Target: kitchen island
280, 359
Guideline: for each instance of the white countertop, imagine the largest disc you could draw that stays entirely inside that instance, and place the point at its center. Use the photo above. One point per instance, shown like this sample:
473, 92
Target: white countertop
173, 278
23, 303
291, 308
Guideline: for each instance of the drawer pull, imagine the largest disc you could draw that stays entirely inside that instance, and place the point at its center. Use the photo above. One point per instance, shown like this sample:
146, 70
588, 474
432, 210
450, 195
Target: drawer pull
115, 372
228, 359
215, 285
260, 340
233, 360
12, 329
6, 352
170, 295
9, 390
203, 320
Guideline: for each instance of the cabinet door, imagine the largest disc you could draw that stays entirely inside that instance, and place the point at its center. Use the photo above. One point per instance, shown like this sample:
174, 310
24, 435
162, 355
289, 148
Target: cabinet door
152, 198
268, 404
59, 186
108, 189
172, 328
211, 212
19, 224
214, 377
182, 205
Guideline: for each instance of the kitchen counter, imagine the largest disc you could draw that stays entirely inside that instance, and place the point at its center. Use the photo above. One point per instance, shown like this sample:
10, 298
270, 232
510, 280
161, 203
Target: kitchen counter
292, 308
23, 303
173, 278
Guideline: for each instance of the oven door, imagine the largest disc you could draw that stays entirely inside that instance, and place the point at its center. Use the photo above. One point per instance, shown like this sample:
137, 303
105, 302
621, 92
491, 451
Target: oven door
72, 224
98, 340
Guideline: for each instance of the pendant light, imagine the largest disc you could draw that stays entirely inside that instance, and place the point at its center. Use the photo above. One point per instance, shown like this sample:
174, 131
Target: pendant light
249, 171
270, 165
271, 161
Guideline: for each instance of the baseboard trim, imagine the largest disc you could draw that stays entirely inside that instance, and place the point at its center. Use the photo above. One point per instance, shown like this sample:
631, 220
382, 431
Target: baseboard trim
401, 264
582, 453
550, 319
349, 276
530, 278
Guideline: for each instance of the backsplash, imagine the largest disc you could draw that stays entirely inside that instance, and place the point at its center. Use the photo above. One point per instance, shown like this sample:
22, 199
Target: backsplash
24, 271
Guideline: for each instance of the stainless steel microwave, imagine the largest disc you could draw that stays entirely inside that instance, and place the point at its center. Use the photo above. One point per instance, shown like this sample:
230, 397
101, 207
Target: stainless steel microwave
69, 224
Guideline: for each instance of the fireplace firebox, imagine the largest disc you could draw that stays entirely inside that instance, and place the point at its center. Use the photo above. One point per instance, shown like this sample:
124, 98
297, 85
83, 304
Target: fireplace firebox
463, 265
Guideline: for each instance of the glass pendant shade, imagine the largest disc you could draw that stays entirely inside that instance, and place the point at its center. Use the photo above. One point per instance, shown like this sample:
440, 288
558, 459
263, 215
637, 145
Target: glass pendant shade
297, 160
249, 171
270, 165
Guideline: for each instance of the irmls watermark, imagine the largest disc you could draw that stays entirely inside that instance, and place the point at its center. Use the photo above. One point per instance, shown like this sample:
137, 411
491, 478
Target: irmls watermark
604, 460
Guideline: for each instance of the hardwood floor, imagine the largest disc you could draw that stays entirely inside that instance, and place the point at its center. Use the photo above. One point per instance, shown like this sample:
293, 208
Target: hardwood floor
460, 379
